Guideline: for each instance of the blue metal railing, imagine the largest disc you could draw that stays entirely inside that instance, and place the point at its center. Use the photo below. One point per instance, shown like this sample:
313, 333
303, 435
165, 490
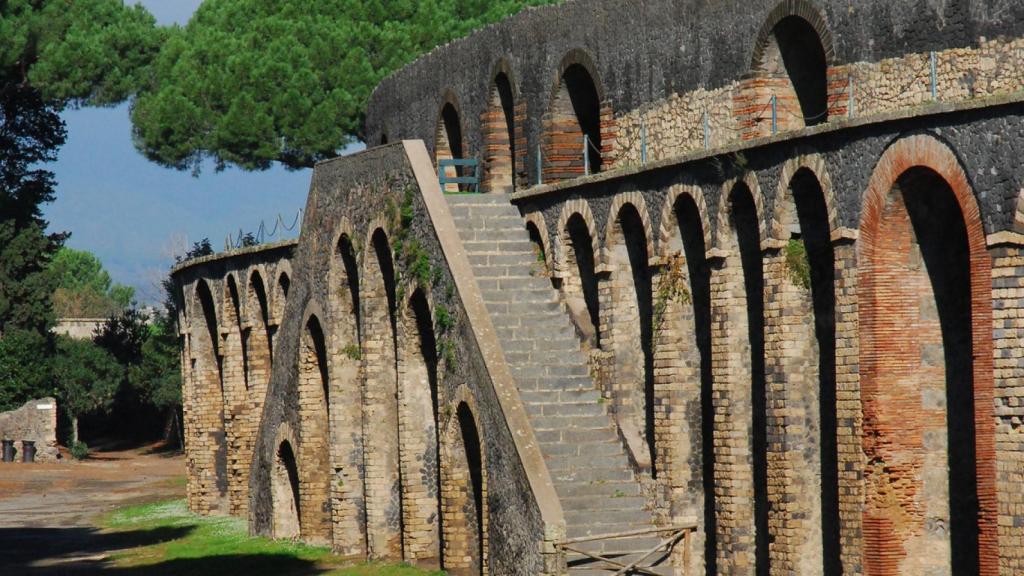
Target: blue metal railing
460, 167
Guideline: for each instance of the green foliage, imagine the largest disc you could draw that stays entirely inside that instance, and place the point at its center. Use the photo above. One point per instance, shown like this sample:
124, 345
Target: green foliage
352, 352
24, 370
798, 264
86, 376
85, 52
156, 377
79, 450
445, 322
671, 288
250, 83
84, 288
199, 249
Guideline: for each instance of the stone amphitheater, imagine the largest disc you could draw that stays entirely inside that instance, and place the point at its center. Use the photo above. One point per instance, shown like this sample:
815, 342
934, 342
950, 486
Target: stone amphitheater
659, 287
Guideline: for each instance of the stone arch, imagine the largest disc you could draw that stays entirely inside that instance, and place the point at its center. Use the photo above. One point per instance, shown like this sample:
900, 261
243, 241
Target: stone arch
279, 297
285, 491
464, 480
235, 368
381, 433
314, 433
577, 107
418, 421
683, 383
503, 149
538, 231
800, 333
628, 318
738, 349
784, 213
258, 365
926, 318
449, 137
722, 227
668, 239
208, 477
577, 251
791, 59
346, 405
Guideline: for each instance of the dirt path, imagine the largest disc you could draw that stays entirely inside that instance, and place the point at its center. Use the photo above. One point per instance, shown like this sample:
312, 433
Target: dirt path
48, 512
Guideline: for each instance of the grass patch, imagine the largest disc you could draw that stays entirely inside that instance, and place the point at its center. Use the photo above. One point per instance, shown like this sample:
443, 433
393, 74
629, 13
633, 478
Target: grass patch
168, 539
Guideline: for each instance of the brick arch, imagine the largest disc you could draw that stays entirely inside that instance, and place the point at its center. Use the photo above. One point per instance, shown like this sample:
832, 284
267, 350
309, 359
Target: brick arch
205, 426
381, 436
279, 297
784, 210
881, 300
346, 394
285, 492
504, 138
803, 9
536, 217
722, 217
449, 119
234, 371
668, 228
626, 311
577, 105
577, 57
576, 206
418, 392
612, 234
254, 310
465, 524
314, 428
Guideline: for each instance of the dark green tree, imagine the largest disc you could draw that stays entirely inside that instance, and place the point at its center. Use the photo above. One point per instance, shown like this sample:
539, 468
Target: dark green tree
250, 82
156, 378
87, 378
84, 288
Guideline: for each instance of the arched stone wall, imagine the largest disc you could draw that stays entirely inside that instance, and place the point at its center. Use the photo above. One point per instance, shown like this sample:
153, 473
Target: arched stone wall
236, 395
285, 487
348, 504
577, 108
314, 435
464, 496
627, 321
503, 138
417, 399
381, 432
449, 143
737, 287
576, 261
927, 391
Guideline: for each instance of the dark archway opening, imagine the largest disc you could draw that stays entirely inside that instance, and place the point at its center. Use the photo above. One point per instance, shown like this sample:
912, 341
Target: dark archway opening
586, 106
941, 232
260, 290
284, 283
796, 53
500, 136
746, 224
635, 241
575, 112
316, 336
448, 145
815, 234
243, 333
540, 254
285, 494
219, 435
692, 232
474, 460
581, 256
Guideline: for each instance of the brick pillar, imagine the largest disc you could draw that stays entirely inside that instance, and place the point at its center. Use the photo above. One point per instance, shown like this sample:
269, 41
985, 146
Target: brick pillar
1008, 326
839, 92
418, 449
498, 160
314, 454
677, 391
849, 412
731, 399
522, 172
793, 420
235, 405
380, 433
609, 136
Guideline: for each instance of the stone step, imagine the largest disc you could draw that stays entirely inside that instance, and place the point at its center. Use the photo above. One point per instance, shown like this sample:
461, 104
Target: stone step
521, 284
480, 234
479, 261
581, 437
522, 248
478, 200
598, 491
621, 474
561, 397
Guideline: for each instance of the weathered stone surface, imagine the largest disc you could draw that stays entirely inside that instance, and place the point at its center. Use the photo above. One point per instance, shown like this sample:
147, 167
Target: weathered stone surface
36, 421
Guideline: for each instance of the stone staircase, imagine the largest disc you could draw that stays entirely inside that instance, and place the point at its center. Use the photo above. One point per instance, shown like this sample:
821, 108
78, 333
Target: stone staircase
588, 465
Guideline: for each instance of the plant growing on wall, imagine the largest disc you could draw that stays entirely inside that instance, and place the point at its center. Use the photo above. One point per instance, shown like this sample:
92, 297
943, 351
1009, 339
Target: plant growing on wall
671, 288
798, 264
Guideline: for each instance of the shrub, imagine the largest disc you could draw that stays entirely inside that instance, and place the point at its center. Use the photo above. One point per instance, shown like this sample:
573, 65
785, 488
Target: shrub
79, 450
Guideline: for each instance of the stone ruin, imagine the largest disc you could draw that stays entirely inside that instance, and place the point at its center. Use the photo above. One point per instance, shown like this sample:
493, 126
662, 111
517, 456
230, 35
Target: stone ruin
745, 282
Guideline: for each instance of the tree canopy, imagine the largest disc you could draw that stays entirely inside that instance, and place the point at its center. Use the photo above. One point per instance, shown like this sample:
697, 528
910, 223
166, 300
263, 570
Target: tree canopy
250, 82
84, 288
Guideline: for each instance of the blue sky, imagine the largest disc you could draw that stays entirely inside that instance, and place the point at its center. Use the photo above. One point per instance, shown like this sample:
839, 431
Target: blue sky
132, 213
